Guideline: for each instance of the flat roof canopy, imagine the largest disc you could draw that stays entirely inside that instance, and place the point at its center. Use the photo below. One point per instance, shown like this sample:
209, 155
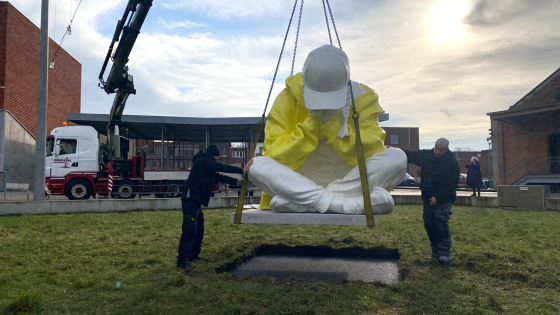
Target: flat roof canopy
176, 128
191, 129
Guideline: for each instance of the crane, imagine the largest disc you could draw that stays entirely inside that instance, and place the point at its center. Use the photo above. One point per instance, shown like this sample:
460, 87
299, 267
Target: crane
119, 81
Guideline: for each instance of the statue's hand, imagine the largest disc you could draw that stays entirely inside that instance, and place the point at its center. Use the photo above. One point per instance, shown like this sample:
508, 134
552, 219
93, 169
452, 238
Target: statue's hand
248, 165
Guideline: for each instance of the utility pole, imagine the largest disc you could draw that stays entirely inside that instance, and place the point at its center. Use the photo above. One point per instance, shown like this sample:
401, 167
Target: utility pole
41, 139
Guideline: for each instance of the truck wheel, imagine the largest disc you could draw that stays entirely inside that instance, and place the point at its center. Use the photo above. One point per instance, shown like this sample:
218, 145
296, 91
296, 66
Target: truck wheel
78, 189
124, 189
173, 189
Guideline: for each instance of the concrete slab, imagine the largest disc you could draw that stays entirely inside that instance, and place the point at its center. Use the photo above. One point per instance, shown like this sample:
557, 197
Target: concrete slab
107, 205
75, 206
231, 201
552, 204
175, 203
322, 268
11, 208
271, 217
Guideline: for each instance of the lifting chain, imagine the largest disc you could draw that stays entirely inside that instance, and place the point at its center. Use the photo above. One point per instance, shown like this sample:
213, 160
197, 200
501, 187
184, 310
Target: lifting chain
297, 37
355, 117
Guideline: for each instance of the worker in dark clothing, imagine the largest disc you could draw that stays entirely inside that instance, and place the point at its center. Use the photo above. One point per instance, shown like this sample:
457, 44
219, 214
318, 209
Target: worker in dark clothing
439, 179
197, 192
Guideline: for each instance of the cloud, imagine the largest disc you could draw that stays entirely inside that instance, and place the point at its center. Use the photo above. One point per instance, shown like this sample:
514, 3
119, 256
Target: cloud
184, 24
446, 112
229, 9
498, 52
495, 12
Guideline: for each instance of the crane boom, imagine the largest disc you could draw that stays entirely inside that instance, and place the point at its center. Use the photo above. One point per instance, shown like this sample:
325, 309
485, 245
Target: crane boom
119, 81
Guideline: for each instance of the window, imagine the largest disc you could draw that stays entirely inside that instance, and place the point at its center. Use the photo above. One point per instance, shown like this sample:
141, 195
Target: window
68, 146
238, 154
50, 143
557, 94
394, 139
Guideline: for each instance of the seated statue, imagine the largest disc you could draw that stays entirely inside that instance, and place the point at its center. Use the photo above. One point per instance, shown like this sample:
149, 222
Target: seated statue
310, 161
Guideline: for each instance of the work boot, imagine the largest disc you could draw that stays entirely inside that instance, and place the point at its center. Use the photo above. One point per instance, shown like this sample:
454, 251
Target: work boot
199, 259
435, 256
183, 264
444, 260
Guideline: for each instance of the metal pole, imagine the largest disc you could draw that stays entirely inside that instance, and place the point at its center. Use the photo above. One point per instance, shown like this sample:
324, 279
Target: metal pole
489, 161
503, 155
407, 165
207, 137
162, 148
5, 183
2, 138
2, 146
41, 142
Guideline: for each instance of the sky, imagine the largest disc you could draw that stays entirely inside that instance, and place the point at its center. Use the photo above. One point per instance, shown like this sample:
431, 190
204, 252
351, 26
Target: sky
440, 65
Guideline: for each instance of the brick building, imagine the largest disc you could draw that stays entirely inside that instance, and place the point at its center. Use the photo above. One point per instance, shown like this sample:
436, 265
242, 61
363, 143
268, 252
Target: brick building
19, 81
526, 138
19, 73
404, 138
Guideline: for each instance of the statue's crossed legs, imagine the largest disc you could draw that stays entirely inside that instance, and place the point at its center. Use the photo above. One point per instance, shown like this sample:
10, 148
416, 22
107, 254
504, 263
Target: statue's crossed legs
293, 192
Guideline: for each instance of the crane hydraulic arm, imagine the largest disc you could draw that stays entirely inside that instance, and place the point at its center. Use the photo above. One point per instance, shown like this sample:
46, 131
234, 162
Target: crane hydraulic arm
119, 81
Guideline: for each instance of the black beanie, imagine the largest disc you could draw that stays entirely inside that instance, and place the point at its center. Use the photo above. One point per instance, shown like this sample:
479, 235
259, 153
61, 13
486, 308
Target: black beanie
212, 150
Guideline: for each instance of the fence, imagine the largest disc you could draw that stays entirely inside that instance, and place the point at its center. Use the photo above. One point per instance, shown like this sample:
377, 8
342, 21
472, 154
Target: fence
537, 166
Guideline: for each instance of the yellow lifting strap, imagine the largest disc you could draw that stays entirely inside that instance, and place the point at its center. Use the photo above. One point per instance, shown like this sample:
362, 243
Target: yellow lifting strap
361, 161
241, 201
363, 171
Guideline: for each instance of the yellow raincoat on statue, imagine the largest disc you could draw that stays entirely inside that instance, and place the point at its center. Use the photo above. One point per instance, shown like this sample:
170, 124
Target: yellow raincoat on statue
292, 133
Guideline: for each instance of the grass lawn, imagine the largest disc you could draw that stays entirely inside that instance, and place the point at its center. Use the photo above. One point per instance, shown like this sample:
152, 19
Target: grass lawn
505, 262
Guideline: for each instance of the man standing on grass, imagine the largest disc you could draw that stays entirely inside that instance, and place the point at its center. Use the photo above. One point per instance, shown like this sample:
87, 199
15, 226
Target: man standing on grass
197, 192
439, 179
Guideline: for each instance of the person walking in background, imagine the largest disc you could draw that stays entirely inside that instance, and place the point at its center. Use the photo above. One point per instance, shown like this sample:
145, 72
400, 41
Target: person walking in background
439, 179
474, 176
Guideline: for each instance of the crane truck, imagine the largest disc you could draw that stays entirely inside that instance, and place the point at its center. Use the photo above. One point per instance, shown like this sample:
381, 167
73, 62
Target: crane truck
77, 166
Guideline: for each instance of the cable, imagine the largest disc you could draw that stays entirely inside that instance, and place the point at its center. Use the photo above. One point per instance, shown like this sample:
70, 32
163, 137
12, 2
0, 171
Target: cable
71, 21
327, 19
297, 38
334, 24
54, 28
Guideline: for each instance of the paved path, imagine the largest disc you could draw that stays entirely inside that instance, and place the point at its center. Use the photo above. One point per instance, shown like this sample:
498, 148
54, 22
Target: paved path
416, 192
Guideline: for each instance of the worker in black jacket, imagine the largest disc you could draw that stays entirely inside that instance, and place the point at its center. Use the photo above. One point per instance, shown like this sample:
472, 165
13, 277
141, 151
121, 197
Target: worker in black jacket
197, 192
438, 183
